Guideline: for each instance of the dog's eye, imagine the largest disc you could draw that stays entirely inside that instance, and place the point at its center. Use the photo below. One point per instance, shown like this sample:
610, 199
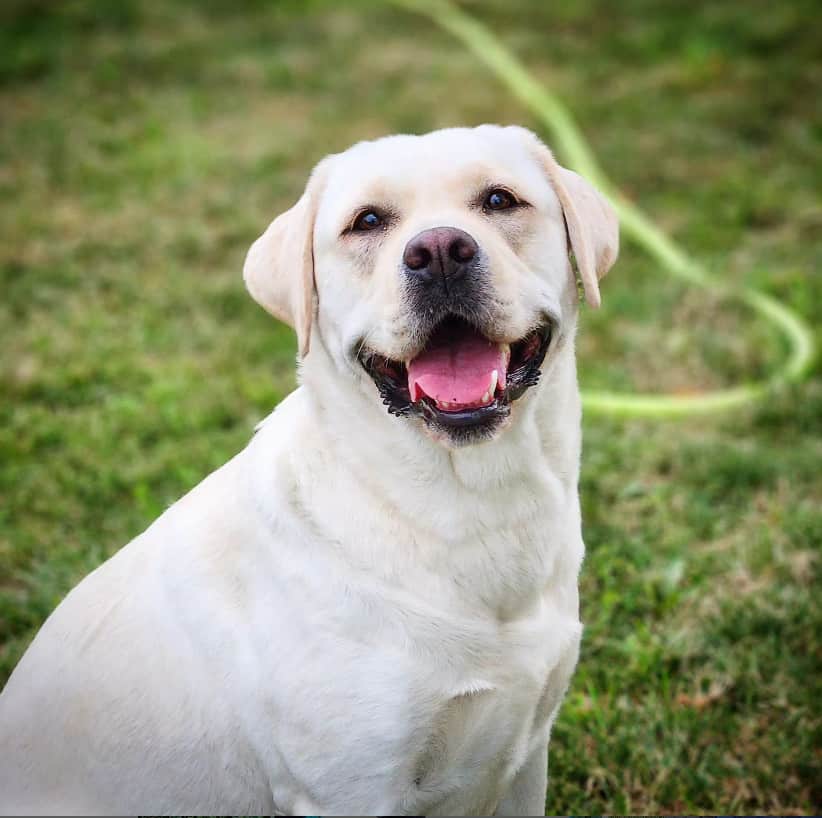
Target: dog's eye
499, 199
368, 220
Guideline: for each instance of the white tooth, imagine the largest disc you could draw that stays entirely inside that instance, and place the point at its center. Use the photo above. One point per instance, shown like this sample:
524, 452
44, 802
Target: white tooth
486, 397
506, 351
492, 387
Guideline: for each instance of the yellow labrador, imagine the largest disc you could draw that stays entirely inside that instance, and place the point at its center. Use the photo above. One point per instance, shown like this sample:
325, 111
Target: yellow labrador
373, 608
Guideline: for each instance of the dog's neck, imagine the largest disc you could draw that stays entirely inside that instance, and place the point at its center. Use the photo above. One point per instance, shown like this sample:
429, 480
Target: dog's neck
486, 524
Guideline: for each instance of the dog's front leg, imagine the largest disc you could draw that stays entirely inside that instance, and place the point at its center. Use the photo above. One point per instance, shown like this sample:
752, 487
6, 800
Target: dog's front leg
529, 787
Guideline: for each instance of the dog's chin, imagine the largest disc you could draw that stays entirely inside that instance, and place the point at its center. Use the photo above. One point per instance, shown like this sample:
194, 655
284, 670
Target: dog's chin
459, 384
456, 429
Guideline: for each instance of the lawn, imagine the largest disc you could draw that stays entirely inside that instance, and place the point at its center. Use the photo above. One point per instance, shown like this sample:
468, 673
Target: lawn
144, 145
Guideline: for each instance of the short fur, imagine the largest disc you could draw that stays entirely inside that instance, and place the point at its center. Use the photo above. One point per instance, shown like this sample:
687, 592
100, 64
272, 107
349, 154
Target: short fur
350, 616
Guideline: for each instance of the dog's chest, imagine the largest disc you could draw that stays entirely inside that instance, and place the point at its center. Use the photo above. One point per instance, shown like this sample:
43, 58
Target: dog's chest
435, 726
422, 648
478, 733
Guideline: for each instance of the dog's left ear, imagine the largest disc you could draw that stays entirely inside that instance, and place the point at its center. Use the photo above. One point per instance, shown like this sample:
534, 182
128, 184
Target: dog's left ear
592, 224
279, 267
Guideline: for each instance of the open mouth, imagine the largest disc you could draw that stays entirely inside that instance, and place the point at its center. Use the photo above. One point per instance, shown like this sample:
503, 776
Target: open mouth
460, 379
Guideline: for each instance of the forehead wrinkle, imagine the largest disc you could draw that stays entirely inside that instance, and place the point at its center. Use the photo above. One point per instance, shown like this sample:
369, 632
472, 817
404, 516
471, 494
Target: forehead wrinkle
400, 176
425, 186
377, 191
479, 177
349, 197
464, 183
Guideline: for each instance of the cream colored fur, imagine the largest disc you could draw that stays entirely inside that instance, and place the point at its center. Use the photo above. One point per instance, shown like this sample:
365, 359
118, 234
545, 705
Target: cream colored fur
349, 617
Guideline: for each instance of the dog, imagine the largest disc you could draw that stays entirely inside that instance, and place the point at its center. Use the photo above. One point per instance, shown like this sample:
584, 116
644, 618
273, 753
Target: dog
373, 608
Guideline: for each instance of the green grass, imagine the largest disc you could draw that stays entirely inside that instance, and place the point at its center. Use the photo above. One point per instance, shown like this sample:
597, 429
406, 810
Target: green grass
145, 145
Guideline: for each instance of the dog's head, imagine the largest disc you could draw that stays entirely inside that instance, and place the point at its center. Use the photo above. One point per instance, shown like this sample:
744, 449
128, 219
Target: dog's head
435, 270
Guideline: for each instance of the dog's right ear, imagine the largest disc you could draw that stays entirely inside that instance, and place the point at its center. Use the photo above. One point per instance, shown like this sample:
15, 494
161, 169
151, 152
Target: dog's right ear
279, 267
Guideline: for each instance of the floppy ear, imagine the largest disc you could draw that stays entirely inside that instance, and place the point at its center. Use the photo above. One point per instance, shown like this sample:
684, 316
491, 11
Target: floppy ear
279, 267
592, 224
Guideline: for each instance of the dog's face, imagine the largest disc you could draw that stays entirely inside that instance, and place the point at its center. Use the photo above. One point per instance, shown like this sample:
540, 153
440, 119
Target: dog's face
435, 270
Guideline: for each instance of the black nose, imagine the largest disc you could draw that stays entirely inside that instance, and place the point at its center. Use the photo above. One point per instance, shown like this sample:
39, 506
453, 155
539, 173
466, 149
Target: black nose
442, 254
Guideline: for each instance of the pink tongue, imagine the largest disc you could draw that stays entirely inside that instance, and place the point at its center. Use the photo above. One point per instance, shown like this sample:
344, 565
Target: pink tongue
457, 368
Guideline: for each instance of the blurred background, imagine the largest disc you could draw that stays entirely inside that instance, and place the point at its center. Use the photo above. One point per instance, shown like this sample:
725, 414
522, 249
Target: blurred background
144, 145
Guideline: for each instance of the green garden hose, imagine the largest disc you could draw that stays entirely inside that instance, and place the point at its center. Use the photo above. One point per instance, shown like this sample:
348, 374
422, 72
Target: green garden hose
575, 152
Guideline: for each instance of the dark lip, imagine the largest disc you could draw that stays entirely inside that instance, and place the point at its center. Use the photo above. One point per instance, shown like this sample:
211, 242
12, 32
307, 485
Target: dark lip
488, 415
390, 378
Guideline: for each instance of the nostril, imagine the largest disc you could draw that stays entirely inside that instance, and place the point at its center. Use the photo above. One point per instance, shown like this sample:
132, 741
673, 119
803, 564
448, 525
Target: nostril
463, 248
416, 256
440, 253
